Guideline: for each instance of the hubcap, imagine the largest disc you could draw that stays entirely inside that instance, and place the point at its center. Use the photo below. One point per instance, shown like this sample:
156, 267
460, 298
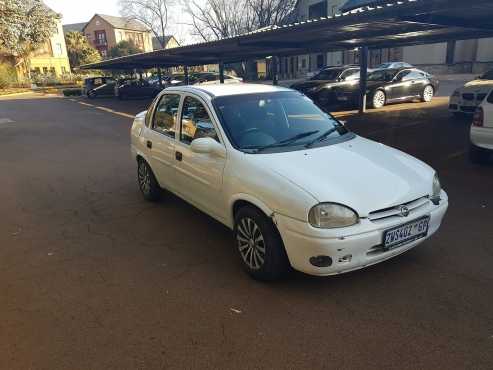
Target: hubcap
428, 93
251, 243
144, 178
379, 99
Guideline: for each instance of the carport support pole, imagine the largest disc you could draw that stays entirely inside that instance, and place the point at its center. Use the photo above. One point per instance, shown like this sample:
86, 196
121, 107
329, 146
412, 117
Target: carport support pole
160, 76
221, 72
363, 78
187, 80
275, 70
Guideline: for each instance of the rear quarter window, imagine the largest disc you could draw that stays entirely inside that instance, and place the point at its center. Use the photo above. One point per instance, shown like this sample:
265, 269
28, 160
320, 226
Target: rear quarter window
490, 97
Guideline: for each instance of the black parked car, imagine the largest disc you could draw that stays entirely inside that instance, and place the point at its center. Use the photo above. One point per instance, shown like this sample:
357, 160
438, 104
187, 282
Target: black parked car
391, 86
138, 89
99, 86
320, 88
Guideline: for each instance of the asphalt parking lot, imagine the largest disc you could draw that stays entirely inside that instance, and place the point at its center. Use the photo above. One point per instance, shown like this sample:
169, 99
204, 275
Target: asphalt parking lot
93, 277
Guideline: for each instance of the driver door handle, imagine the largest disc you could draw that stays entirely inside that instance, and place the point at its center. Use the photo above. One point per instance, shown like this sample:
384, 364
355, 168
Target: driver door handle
149, 144
178, 156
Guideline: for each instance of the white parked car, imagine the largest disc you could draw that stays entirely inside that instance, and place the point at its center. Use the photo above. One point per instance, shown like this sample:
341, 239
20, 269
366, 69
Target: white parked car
471, 95
482, 131
296, 186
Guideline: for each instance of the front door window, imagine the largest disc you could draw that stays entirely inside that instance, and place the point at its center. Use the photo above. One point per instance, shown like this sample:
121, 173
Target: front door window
195, 122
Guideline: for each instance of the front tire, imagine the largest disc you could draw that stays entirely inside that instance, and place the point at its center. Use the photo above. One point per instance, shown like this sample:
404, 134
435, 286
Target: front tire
379, 99
147, 181
259, 245
478, 155
427, 94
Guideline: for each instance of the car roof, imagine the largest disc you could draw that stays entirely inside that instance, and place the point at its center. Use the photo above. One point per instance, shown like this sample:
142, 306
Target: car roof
229, 89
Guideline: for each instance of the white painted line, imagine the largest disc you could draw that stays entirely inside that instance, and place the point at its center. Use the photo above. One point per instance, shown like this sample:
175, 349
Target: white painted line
104, 109
5, 120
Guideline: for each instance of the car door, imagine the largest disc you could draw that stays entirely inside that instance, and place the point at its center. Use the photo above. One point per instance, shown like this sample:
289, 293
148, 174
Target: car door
161, 139
418, 82
199, 175
400, 88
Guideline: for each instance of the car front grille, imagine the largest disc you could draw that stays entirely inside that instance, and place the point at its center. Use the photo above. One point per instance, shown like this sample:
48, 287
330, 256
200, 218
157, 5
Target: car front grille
396, 211
467, 109
468, 96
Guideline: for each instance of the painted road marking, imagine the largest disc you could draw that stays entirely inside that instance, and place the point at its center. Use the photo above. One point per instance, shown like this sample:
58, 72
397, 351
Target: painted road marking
108, 110
5, 120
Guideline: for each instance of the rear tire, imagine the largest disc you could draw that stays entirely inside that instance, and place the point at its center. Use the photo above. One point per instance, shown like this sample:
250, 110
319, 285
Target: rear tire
478, 155
427, 94
148, 184
259, 245
379, 99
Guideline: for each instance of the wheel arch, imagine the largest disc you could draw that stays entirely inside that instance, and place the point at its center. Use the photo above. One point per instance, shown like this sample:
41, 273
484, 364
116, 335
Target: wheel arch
241, 200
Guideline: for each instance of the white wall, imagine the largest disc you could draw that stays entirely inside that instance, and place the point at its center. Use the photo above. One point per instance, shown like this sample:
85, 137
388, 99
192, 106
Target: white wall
425, 54
465, 51
485, 50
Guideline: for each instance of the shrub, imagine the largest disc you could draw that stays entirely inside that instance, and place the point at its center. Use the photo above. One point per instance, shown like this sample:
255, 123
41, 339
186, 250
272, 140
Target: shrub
72, 92
8, 76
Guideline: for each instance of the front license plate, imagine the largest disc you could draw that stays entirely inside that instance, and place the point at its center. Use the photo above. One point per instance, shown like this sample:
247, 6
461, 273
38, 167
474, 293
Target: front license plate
406, 233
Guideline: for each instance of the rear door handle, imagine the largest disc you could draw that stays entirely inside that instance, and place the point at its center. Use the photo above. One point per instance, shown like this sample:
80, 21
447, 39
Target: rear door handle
178, 156
149, 144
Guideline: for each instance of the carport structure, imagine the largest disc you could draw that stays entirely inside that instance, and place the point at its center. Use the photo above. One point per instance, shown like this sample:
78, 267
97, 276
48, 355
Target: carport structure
382, 25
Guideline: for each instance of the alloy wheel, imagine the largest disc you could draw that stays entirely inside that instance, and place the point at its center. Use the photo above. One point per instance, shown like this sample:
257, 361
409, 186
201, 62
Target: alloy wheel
428, 94
379, 99
251, 243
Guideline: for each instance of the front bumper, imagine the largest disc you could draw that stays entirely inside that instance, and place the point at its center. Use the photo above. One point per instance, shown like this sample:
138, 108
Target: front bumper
360, 241
482, 137
459, 105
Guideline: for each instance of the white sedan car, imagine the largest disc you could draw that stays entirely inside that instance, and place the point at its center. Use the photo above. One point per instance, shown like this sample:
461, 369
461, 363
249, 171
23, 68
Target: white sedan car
482, 132
466, 99
296, 186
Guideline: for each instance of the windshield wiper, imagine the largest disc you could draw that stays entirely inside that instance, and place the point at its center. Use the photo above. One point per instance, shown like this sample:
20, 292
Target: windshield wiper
322, 137
287, 141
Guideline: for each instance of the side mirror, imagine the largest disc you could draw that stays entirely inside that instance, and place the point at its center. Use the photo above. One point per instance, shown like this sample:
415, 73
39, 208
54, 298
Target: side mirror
207, 145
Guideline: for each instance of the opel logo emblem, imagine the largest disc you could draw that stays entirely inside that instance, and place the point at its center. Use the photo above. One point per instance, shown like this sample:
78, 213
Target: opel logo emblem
404, 211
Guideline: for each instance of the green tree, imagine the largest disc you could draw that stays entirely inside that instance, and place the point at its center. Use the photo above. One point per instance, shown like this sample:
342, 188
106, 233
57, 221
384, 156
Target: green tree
79, 50
25, 25
124, 48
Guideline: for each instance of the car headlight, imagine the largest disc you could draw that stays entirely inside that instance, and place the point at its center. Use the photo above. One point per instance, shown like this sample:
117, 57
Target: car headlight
456, 93
331, 216
437, 189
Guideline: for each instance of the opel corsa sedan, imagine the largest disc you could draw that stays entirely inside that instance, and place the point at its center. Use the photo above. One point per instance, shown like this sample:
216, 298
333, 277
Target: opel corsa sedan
295, 185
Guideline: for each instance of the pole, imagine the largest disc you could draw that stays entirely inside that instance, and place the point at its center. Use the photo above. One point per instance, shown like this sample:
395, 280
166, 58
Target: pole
275, 70
363, 78
187, 79
160, 76
221, 72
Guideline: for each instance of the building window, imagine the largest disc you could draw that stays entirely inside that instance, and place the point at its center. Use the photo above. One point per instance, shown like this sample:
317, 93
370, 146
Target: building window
58, 49
317, 10
100, 37
104, 53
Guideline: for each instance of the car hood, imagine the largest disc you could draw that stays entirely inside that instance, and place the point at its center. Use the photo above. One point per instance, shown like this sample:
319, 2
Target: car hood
478, 86
359, 173
309, 84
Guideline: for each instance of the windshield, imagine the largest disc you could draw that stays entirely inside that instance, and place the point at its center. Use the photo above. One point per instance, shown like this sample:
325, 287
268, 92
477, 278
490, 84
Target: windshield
383, 75
488, 75
328, 74
270, 122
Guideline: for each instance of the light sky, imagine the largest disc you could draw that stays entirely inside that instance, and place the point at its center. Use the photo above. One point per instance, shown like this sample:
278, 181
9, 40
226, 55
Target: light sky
82, 11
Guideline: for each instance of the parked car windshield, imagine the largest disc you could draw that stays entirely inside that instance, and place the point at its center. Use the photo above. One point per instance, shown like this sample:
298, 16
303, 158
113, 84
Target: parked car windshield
328, 74
382, 75
279, 121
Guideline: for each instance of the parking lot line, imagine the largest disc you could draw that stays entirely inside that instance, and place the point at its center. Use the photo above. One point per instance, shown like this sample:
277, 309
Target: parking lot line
126, 115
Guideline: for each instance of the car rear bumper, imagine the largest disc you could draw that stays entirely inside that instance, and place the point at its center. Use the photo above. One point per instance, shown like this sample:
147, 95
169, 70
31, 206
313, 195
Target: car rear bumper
349, 250
482, 137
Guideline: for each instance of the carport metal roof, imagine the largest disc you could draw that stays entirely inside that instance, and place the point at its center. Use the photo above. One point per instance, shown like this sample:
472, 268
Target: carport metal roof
396, 23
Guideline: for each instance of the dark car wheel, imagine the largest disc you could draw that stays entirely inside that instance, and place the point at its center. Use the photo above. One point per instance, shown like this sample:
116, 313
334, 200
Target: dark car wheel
147, 182
259, 245
478, 155
379, 99
427, 94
